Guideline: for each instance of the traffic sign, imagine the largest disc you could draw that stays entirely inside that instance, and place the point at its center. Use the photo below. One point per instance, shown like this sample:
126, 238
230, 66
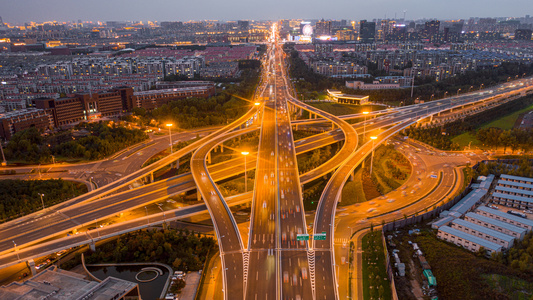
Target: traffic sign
320, 236
302, 237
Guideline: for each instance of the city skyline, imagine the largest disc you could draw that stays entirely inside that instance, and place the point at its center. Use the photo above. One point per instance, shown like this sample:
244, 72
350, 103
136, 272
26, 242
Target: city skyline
19, 12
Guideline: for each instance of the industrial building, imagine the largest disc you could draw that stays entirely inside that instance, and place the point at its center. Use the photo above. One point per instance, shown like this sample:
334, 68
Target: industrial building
505, 217
512, 230
502, 239
57, 284
468, 241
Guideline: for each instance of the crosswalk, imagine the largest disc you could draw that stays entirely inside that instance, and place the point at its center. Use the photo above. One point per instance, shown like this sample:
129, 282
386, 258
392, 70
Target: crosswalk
341, 241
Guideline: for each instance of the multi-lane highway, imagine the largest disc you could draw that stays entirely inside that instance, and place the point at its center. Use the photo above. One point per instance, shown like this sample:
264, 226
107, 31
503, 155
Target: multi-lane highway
271, 264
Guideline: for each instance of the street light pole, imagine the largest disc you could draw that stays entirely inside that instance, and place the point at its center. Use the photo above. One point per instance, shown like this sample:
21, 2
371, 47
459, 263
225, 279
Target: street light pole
42, 201
170, 136
164, 219
245, 153
16, 251
97, 231
4, 162
373, 138
147, 218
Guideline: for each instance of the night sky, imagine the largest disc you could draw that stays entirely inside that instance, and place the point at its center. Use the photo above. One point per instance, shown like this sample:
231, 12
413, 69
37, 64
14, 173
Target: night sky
19, 11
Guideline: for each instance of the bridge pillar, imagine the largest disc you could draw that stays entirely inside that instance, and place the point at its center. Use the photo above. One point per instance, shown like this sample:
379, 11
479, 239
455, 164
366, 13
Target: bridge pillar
178, 163
221, 148
31, 265
152, 177
209, 157
332, 126
198, 196
296, 127
351, 176
92, 246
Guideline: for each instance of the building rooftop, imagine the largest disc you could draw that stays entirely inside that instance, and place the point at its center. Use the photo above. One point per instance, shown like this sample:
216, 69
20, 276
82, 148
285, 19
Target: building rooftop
468, 201
506, 215
517, 184
485, 230
56, 284
512, 177
497, 223
485, 183
512, 197
474, 239
443, 221
339, 94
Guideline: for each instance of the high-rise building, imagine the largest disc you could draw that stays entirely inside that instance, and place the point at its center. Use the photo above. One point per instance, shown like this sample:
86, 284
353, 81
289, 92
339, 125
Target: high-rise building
431, 30
523, 34
323, 28
367, 31
243, 25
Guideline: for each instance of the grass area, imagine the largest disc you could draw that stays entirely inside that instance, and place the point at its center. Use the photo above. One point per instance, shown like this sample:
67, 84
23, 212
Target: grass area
353, 190
375, 282
463, 140
312, 192
391, 169
508, 121
513, 287
463, 275
343, 109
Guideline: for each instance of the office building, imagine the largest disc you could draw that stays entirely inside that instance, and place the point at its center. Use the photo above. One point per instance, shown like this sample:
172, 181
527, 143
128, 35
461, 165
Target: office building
15, 121
523, 34
323, 28
367, 31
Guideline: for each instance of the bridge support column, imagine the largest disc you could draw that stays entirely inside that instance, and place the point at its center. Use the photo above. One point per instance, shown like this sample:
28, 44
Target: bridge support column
351, 177
209, 157
31, 265
198, 196
92, 246
178, 163
221, 148
332, 126
151, 177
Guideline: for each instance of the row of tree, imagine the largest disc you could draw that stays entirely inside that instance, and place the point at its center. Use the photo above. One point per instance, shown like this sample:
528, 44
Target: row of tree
181, 249
102, 139
441, 136
523, 168
200, 112
520, 256
22, 197
424, 88
515, 139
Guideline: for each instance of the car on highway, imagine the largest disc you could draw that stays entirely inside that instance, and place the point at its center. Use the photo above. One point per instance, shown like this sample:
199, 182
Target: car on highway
304, 273
40, 266
61, 252
286, 277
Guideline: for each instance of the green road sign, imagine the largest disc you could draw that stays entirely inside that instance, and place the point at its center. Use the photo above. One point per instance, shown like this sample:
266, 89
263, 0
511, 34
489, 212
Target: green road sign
320, 236
302, 237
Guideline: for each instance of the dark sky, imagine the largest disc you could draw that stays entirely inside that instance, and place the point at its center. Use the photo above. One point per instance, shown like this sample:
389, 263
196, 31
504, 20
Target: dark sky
19, 11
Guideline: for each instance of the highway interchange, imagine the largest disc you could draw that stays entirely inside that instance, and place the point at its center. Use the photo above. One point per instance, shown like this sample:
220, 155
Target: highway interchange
272, 264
